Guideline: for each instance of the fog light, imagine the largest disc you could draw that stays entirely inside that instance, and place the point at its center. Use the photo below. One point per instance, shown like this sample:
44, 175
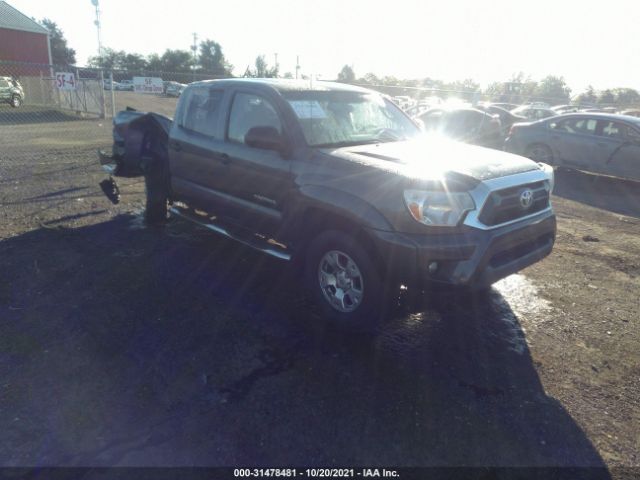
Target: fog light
433, 267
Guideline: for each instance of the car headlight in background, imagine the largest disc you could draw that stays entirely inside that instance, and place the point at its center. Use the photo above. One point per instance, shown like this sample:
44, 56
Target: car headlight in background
548, 169
438, 209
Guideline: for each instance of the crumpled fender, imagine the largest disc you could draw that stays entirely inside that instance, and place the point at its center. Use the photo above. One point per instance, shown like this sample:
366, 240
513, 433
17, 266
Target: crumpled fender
139, 139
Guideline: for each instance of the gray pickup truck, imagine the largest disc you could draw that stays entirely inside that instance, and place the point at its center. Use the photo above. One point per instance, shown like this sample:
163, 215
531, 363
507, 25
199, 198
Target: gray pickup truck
341, 183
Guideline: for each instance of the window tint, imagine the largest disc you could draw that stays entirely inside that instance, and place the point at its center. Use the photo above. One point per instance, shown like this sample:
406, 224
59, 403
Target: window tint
250, 111
633, 134
202, 112
576, 125
619, 131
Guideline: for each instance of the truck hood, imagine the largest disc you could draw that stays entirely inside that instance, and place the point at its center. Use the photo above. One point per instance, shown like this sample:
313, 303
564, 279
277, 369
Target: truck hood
434, 158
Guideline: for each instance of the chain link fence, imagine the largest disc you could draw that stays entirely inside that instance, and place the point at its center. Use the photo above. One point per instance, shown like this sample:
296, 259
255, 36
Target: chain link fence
55, 110
67, 109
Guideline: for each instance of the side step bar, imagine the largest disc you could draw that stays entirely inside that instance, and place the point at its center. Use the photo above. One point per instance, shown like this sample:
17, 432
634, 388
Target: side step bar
219, 229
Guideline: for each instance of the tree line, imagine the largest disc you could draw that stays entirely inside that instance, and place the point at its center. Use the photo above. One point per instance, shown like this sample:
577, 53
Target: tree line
517, 89
209, 59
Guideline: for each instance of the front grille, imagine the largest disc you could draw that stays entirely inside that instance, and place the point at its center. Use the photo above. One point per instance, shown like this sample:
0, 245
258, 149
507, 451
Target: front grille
504, 205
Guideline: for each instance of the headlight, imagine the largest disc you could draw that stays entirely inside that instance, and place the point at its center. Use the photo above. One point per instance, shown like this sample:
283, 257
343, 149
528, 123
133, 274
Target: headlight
548, 169
438, 209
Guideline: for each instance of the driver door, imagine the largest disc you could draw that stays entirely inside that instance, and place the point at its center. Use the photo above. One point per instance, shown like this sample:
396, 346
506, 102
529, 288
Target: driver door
259, 179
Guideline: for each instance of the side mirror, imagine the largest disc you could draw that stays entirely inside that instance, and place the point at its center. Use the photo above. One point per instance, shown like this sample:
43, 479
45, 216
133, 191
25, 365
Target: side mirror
266, 138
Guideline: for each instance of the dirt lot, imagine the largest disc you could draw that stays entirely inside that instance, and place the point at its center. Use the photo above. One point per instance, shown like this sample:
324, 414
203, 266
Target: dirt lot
127, 345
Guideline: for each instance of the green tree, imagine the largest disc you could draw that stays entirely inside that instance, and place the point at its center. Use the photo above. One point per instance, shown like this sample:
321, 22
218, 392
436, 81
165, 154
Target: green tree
176, 61
370, 79
587, 97
154, 63
347, 75
61, 54
109, 60
626, 96
133, 62
553, 89
606, 97
261, 69
212, 60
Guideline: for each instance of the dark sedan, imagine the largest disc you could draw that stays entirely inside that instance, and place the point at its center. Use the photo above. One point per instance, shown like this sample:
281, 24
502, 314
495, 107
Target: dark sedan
506, 117
599, 143
467, 125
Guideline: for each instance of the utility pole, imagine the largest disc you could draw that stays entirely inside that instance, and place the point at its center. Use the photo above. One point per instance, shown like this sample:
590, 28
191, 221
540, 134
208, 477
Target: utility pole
276, 55
195, 53
96, 3
297, 66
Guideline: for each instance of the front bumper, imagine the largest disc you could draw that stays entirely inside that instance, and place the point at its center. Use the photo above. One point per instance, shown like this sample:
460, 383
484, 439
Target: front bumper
472, 258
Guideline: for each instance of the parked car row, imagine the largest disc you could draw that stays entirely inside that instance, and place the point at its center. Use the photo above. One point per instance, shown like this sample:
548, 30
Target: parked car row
595, 142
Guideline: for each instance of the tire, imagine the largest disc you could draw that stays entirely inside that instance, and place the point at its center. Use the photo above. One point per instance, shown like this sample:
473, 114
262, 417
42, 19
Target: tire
16, 101
330, 258
156, 196
538, 152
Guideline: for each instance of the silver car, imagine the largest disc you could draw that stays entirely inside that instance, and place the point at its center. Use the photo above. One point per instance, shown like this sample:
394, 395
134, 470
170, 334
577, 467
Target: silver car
599, 143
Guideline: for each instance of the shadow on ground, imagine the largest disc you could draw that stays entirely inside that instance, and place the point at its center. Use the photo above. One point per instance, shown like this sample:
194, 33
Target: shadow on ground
608, 193
26, 115
122, 345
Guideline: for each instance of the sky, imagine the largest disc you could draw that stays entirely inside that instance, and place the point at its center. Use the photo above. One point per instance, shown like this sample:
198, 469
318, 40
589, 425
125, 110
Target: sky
587, 42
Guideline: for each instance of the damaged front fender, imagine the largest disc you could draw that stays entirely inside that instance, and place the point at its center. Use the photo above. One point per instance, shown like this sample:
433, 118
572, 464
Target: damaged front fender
139, 140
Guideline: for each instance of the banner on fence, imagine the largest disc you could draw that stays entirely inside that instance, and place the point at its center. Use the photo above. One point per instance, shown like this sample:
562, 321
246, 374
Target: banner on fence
65, 81
147, 85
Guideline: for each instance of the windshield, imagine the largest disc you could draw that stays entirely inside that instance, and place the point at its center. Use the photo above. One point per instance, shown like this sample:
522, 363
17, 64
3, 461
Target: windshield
333, 118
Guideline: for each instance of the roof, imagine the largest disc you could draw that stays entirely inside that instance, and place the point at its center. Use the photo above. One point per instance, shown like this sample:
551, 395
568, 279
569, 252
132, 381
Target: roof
12, 19
600, 116
285, 85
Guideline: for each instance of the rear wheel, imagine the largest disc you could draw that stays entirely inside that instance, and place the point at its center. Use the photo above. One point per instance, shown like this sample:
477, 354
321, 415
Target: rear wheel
342, 279
16, 101
539, 153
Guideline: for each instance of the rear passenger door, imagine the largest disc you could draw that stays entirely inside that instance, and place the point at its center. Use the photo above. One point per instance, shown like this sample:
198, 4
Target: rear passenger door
199, 167
621, 156
260, 178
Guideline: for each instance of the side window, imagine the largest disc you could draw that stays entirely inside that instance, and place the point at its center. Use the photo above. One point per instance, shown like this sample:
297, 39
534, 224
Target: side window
613, 130
202, 112
250, 111
585, 126
3, 83
632, 135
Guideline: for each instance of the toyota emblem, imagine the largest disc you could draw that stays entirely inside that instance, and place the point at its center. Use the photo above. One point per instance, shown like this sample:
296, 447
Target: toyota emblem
526, 198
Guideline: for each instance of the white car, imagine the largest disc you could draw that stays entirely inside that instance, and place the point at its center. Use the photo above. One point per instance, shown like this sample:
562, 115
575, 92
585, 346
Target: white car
175, 89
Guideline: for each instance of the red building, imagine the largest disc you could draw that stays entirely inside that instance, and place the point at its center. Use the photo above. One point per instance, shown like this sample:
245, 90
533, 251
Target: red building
22, 40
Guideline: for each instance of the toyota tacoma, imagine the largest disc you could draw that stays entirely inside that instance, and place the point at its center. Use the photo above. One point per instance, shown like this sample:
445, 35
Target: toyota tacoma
337, 180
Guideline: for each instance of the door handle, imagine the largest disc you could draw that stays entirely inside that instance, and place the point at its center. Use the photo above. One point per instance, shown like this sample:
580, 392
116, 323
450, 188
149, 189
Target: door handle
225, 159
177, 146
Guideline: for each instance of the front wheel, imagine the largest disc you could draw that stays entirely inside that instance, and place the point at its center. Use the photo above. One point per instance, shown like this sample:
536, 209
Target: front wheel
16, 101
344, 282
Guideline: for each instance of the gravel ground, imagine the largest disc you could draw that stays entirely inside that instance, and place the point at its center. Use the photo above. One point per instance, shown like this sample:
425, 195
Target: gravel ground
127, 345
